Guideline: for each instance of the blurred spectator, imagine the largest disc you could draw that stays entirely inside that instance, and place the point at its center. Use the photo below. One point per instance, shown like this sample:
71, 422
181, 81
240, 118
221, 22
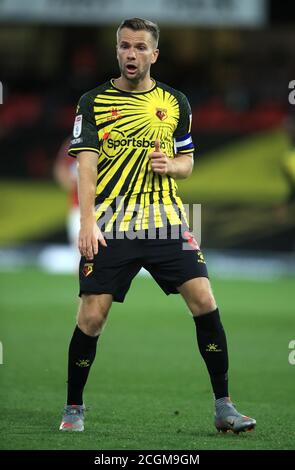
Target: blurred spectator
60, 258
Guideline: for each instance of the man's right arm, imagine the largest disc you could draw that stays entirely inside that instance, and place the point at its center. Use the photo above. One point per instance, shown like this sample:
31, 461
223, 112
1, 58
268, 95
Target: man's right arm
90, 233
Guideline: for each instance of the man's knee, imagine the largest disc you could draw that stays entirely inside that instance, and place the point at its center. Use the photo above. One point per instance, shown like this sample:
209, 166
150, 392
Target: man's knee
93, 313
203, 303
198, 295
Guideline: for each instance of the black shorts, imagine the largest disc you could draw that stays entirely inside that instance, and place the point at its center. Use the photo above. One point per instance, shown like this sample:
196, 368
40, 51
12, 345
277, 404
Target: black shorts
171, 262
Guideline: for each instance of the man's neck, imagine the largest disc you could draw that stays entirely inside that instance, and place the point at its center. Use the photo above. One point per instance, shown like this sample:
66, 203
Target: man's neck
128, 85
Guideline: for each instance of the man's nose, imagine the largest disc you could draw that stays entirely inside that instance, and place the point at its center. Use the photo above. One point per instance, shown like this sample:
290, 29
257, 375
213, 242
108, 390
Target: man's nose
131, 53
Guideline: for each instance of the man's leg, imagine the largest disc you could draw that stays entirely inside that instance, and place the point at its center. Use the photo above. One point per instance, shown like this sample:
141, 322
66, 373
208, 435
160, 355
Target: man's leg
210, 334
212, 344
92, 316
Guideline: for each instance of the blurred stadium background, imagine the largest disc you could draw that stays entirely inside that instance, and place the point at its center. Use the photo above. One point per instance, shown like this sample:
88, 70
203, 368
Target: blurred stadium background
234, 59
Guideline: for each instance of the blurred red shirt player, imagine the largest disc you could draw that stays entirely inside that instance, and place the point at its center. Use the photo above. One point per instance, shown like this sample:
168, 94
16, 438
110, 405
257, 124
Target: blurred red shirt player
65, 173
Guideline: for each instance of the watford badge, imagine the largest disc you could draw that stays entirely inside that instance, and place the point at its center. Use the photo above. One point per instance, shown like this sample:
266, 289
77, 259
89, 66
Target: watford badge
87, 269
161, 113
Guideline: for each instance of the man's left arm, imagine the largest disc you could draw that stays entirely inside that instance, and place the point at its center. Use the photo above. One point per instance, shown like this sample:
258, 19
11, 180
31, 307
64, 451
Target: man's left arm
181, 166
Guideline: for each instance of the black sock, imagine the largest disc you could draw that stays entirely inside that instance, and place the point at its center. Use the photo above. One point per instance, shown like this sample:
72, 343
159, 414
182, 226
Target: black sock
82, 352
213, 348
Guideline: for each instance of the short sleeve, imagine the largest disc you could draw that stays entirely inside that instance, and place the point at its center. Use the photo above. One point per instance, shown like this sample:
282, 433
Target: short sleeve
85, 135
183, 141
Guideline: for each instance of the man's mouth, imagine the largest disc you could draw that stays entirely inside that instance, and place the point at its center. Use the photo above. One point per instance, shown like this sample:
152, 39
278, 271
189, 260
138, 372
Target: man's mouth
131, 68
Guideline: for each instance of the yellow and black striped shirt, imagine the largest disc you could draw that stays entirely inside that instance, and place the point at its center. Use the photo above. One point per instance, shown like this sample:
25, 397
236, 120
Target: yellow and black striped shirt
121, 127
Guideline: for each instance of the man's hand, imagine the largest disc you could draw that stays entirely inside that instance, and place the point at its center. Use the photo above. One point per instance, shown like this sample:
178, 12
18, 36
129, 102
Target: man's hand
178, 167
160, 163
89, 237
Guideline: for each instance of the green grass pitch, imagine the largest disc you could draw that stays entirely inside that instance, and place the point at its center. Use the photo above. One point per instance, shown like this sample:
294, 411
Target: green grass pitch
148, 388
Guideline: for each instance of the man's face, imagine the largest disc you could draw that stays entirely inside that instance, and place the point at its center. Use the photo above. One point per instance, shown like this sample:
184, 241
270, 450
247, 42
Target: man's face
136, 51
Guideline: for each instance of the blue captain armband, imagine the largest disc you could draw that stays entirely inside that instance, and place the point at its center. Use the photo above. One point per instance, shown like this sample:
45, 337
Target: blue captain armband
184, 144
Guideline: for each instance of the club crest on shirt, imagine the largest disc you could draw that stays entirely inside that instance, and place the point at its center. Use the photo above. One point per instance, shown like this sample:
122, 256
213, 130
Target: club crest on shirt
161, 113
87, 269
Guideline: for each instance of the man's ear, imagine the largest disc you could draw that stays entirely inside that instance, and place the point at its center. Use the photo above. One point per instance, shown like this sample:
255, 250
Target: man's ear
155, 56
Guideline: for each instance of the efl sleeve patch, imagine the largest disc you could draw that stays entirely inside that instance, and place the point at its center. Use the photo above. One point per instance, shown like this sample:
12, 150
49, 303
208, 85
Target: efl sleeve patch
84, 131
78, 126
